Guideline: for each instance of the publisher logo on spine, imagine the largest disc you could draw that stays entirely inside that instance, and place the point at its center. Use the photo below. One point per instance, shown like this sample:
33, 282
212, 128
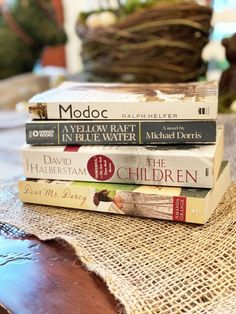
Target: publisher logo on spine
203, 111
100, 167
41, 133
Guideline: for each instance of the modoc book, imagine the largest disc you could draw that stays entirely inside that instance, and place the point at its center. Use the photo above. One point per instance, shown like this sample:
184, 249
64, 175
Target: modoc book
133, 132
170, 203
165, 165
103, 101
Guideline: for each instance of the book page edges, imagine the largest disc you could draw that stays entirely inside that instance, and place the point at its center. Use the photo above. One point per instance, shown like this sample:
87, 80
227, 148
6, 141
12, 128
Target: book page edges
215, 195
218, 157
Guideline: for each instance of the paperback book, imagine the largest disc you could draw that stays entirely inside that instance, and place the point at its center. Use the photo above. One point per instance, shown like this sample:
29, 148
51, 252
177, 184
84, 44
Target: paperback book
103, 101
165, 165
65, 132
170, 203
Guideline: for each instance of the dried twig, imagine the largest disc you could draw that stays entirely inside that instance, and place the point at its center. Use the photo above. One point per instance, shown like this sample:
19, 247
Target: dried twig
163, 43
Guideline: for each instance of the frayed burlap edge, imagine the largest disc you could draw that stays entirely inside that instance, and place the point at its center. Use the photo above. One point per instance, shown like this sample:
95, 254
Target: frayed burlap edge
151, 266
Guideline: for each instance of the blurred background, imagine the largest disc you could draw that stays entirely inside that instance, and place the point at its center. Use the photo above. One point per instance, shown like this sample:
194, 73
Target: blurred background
223, 20
63, 61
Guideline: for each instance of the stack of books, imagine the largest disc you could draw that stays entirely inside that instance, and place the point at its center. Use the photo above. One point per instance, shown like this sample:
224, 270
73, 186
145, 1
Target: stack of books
147, 150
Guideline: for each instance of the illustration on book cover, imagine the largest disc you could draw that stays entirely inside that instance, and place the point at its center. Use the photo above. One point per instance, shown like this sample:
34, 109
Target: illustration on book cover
151, 92
135, 204
96, 101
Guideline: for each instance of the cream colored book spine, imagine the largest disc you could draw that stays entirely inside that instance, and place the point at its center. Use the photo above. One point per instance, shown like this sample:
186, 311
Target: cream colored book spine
100, 101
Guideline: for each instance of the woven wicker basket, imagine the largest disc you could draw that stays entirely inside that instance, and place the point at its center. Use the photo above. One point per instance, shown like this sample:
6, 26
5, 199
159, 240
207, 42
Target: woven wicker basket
160, 44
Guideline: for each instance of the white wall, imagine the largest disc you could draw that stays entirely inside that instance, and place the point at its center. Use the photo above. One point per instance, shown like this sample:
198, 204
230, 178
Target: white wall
71, 12
224, 21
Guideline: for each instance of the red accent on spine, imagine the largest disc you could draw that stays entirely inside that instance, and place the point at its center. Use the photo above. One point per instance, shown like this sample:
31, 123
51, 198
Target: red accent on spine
72, 148
100, 167
179, 208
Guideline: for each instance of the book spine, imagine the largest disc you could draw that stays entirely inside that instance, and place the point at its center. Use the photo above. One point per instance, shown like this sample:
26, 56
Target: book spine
122, 133
110, 199
110, 163
124, 111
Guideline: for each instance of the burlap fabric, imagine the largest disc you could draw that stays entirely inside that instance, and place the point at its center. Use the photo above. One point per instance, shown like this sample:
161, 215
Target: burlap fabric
151, 266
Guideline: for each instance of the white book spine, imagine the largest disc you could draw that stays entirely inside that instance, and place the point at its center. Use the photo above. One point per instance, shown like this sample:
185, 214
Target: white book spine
124, 110
110, 164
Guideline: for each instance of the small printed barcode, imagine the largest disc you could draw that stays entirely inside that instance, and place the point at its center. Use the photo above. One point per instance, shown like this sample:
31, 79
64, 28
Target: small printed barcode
203, 110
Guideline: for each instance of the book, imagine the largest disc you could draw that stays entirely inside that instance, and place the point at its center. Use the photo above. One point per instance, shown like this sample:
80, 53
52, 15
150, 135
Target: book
165, 165
64, 132
170, 203
106, 101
